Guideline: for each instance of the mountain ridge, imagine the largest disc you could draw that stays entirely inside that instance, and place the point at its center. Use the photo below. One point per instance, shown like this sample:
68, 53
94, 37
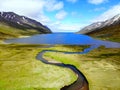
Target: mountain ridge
14, 20
102, 24
20, 25
107, 30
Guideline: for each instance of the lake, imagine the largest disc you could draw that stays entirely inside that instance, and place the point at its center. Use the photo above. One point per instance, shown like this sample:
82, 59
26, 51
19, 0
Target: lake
64, 39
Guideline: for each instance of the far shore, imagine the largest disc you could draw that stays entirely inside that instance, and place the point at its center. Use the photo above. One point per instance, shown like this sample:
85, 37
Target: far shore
23, 36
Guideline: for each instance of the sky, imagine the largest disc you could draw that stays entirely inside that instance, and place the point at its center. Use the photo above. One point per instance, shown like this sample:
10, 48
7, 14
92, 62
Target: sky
63, 15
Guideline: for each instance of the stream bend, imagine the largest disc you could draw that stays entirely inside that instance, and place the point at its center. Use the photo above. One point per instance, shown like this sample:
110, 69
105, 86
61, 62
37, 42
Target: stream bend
81, 83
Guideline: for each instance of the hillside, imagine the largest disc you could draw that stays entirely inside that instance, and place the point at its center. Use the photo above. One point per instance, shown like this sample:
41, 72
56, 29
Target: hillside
111, 33
106, 30
13, 25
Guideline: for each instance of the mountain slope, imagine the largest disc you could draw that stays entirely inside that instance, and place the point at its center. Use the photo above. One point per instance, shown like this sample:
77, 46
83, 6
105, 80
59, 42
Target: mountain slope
13, 25
107, 30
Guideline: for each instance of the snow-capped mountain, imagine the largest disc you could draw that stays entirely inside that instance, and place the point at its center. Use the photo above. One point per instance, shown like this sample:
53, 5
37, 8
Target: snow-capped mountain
17, 21
100, 25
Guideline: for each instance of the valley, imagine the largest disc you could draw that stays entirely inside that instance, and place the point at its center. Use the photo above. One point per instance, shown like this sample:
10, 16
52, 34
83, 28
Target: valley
21, 70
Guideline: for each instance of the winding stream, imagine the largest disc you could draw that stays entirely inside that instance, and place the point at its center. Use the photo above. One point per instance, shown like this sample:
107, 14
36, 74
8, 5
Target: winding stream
81, 83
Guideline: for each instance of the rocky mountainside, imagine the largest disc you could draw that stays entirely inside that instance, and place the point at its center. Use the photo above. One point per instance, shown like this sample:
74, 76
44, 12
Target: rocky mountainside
13, 25
99, 25
109, 29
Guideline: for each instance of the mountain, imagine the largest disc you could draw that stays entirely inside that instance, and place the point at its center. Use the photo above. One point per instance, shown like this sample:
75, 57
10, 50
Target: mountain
108, 30
11, 22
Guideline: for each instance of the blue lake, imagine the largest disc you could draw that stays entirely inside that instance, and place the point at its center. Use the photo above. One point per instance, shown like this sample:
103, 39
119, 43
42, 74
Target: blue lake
64, 39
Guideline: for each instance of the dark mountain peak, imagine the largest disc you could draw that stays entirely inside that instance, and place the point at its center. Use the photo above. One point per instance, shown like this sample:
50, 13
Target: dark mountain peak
7, 15
23, 22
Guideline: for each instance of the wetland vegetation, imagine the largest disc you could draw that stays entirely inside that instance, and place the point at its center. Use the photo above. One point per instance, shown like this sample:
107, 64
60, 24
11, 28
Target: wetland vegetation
20, 70
100, 66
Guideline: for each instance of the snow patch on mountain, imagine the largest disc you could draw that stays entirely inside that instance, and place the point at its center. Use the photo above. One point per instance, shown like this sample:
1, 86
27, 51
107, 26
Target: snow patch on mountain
98, 25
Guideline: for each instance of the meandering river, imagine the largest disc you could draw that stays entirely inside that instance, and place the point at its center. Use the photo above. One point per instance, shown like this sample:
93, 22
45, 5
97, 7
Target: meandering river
66, 39
81, 83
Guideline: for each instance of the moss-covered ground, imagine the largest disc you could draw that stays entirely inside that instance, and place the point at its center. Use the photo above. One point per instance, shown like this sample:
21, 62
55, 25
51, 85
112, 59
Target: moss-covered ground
100, 66
19, 70
7, 32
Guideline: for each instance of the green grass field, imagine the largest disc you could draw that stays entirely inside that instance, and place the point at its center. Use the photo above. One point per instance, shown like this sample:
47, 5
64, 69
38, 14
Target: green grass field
7, 32
19, 70
101, 66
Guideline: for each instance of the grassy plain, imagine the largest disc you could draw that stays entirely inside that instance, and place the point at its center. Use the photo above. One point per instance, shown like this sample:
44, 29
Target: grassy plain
19, 70
101, 66
7, 32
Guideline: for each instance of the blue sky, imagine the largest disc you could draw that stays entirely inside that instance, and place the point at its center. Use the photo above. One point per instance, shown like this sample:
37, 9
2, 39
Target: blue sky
64, 15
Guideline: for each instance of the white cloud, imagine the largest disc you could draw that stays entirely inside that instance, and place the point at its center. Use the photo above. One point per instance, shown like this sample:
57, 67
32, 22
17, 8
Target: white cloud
52, 5
25, 7
69, 27
66, 27
109, 13
99, 9
73, 1
43, 19
61, 15
30, 6
96, 2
